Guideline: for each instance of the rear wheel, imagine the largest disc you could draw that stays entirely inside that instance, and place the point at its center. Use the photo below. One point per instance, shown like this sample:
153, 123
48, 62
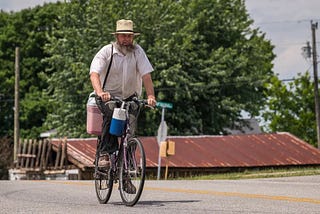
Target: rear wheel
103, 183
132, 173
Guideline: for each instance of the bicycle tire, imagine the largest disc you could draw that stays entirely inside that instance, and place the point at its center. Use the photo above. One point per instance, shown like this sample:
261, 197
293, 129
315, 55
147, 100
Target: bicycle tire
134, 170
103, 183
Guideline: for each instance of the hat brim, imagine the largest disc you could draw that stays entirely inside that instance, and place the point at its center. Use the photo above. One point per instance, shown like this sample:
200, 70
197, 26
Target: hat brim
125, 32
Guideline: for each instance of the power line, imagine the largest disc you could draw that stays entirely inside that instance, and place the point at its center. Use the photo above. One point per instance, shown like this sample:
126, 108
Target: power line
286, 21
287, 80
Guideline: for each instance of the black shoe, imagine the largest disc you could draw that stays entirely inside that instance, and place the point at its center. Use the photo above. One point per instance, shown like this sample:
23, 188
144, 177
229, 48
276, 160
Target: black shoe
128, 187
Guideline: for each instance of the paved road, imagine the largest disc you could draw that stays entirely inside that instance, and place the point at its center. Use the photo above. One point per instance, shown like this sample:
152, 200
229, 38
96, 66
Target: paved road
281, 195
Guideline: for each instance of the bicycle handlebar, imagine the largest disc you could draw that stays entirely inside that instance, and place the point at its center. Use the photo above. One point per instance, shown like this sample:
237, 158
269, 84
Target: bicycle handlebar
134, 99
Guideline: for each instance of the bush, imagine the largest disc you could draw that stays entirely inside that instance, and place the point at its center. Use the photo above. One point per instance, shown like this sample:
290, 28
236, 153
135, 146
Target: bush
6, 156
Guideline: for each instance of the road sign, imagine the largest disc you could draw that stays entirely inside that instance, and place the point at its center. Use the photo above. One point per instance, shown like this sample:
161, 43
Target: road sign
162, 132
164, 105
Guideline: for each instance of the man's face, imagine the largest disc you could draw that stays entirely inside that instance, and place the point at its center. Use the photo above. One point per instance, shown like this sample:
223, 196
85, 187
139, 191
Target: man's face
125, 39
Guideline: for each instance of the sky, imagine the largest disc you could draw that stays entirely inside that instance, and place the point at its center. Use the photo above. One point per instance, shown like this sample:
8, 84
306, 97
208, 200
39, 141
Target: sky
286, 23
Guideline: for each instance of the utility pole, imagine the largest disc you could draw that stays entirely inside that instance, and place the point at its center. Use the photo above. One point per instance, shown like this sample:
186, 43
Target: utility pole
16, 105
314, 26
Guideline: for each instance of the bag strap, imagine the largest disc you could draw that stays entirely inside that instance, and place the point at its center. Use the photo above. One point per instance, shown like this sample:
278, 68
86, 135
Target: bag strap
105, 79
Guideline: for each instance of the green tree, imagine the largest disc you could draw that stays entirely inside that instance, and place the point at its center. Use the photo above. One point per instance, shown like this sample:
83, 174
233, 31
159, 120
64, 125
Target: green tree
79, 34
213, 65
208, 61
6, 75
290, 108
27, 29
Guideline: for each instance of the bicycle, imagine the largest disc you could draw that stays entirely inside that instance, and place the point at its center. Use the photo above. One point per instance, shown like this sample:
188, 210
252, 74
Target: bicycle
128, 165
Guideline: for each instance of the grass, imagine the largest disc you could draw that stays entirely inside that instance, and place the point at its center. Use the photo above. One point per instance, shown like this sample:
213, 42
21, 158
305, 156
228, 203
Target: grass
266, 173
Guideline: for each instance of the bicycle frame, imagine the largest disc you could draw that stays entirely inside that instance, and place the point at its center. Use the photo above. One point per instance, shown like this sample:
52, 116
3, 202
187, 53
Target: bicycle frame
125, 136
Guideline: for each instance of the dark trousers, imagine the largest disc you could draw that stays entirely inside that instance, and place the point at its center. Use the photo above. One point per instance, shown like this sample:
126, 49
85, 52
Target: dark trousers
108, 142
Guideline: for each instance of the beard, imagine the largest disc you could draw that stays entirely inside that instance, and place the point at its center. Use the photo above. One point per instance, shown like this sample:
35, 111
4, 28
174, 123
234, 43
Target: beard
124, 49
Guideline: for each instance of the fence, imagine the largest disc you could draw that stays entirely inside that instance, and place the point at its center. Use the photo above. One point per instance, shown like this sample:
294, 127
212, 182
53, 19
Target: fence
36, 158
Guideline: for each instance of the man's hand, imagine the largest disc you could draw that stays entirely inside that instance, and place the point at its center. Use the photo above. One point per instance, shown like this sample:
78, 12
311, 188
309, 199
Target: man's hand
152, 100
105, 96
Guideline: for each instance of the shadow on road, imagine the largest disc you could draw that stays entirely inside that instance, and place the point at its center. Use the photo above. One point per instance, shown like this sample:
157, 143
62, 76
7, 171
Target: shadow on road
159, 203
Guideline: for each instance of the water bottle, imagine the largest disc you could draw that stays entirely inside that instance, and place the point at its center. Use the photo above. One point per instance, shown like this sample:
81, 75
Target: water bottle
118, 121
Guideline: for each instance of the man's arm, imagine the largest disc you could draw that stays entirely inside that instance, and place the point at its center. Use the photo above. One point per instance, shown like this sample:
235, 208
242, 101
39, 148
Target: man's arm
96, 84
148, 84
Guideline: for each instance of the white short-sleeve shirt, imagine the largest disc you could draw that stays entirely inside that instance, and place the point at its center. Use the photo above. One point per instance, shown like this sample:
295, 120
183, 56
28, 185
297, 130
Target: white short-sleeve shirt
125, 74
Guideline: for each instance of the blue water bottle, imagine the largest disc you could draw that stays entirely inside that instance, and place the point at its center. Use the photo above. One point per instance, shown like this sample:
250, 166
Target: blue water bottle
118, 121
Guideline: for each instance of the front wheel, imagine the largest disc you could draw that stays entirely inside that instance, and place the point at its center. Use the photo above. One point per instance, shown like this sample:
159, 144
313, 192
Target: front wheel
132, 172
103, 181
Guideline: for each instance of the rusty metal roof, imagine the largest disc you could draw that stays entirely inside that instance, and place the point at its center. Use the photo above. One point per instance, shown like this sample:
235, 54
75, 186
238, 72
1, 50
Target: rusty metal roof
247, 150
80, 151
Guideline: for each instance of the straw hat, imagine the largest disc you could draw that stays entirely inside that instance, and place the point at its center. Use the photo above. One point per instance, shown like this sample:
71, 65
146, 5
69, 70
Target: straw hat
125, 27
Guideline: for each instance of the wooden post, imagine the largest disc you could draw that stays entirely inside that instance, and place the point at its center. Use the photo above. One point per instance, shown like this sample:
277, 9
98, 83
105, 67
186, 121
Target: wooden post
169, 150
28, 156
24, 150
43, 154
18, 163
166, 173
16, 106
48, 154
39, 154
63, 154
314, 26
33, 153
58, 155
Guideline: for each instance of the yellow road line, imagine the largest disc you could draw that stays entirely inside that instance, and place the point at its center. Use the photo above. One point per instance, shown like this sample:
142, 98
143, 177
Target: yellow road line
237, 194
211, 192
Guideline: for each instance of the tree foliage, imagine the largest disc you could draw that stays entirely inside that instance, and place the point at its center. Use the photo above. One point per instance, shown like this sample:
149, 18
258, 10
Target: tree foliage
290, 108
209, 61
28, 30
6, 156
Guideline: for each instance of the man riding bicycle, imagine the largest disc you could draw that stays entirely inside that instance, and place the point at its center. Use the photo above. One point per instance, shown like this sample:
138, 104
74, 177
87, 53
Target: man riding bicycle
118, 70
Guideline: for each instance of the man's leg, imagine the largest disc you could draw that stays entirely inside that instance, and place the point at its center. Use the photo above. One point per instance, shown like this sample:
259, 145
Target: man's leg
109, 143
133, 111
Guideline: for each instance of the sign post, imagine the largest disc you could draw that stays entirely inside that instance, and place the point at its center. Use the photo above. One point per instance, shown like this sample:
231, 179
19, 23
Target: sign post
162, 131
167, 149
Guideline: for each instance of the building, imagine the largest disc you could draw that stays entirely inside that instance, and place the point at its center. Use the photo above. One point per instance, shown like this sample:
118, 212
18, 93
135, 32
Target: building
193, 155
